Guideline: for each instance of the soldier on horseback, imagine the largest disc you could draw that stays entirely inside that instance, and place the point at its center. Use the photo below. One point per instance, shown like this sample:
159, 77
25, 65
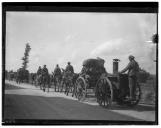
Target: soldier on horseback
57, 71
57, 76
45, 71
68, 76
45, 78
39, 77
69, 67
39, 71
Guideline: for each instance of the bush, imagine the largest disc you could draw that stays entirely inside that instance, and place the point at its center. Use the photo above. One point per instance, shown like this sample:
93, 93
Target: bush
143, 76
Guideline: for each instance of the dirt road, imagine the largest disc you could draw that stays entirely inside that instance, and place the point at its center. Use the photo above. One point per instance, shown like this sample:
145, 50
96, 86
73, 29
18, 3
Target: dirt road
28, 102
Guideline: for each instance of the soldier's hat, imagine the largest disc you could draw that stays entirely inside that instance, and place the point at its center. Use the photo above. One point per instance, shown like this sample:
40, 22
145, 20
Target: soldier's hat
131, 57
68, 62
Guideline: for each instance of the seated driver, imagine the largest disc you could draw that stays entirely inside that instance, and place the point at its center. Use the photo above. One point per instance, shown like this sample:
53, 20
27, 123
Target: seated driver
57, 71
69, 68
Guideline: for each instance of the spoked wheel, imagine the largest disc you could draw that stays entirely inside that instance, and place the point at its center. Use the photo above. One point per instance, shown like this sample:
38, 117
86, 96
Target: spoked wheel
81, 88
104, 92
137, 96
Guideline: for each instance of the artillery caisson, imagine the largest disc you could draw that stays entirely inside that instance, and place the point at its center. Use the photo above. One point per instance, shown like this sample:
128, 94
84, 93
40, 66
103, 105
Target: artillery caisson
108, 88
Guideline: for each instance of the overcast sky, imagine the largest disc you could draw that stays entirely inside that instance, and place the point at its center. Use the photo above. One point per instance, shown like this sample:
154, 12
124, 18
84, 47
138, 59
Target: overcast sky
59, 37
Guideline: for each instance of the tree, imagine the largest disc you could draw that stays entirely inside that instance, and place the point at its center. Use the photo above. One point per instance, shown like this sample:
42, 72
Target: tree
143, 75
26, 56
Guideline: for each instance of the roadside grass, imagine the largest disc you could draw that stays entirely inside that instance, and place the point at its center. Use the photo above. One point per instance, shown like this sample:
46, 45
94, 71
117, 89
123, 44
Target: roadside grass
10, 86
148, 91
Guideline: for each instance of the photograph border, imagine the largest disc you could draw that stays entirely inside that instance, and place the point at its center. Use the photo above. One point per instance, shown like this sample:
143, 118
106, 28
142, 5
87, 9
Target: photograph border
97, 7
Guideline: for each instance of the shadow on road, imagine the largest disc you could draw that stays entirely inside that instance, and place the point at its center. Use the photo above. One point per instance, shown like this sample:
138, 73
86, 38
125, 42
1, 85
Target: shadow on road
90, 98
138, 108
39, 107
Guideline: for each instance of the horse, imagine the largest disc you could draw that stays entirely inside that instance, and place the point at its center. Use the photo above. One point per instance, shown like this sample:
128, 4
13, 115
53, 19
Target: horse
33, 78
38, 80
45, 82
75, 76
57, 81
69, 79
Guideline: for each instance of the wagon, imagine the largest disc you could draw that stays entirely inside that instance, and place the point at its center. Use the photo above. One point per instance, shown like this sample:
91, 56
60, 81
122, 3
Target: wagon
108, 88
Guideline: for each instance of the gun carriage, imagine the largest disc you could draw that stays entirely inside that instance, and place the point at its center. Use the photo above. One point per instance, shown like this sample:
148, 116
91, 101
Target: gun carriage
108, 88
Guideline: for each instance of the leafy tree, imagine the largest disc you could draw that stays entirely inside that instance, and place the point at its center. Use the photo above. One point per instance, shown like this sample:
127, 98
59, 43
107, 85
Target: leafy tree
143, 75
26, 56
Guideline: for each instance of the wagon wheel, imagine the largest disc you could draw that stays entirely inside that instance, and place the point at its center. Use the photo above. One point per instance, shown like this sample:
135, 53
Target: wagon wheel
137, 96
104, 92
81, 88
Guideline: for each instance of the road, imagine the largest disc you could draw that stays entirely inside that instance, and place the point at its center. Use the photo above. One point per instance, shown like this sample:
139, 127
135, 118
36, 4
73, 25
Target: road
28, 102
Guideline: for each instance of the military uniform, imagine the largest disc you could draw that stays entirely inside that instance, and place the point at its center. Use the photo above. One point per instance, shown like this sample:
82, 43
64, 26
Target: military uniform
132, 69
57, 71
69, 68
45, 71
39, 71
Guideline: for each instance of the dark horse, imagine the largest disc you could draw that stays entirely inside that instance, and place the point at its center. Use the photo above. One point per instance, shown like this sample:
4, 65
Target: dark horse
45, 83
33, 78
38, 80
57, 81
68, 82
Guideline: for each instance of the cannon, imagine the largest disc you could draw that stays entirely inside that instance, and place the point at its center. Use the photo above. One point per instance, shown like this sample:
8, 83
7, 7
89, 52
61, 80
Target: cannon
108, 88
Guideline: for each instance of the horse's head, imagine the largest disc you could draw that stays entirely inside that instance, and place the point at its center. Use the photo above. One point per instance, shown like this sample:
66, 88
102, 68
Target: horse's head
63, 70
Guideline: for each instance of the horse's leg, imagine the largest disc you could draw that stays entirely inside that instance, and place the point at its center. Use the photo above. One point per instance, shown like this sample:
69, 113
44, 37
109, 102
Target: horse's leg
61, 84
65, 88
39, 84
68, 89
35, 83
71, 88
48, 86
73, 92
58, 86
55, 85
44, 86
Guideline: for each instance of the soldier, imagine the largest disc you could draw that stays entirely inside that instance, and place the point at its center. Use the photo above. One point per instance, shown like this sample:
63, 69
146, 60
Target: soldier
45, 71
57, 71
69, 68
39, 71
133, 69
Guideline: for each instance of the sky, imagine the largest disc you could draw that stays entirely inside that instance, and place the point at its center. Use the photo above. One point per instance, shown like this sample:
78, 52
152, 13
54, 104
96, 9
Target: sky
59, 37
